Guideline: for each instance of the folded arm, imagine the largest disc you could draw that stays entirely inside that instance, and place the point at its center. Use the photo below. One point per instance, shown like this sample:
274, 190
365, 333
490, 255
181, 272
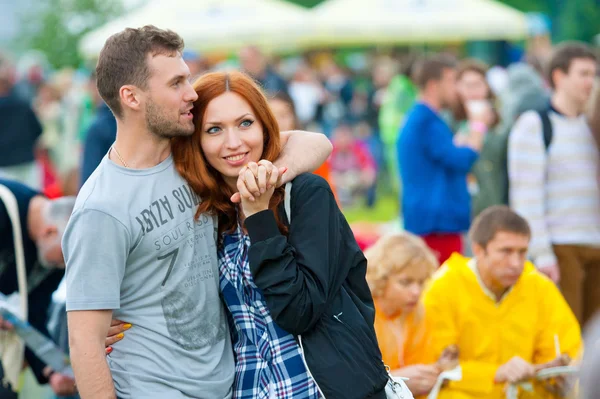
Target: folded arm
302, 152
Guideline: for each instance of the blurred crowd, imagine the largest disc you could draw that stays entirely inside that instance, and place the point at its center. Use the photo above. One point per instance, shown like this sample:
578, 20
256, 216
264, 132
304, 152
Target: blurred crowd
453, 141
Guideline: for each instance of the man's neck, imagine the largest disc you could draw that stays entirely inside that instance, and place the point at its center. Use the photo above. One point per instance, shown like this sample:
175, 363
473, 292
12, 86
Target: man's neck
431, 101
566, 106
137, 148
497, 291
34, 216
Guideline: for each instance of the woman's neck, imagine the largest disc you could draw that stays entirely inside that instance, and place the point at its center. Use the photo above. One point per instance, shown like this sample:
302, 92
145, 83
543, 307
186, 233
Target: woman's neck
389, 309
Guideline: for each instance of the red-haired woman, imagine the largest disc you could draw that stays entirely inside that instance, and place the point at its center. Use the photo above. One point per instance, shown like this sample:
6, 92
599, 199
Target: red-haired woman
301, 310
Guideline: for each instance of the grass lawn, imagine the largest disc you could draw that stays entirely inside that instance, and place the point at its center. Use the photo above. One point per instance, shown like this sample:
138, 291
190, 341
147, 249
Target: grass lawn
384, 211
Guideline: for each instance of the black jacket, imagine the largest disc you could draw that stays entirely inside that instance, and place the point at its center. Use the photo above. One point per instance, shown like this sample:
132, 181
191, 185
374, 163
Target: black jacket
314, 284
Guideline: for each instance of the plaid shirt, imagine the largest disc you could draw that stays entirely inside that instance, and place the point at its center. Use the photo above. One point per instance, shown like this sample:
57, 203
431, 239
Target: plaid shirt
269, 363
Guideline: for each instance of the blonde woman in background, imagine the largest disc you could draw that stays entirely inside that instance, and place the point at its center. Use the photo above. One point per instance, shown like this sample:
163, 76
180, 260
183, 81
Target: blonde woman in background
399, 265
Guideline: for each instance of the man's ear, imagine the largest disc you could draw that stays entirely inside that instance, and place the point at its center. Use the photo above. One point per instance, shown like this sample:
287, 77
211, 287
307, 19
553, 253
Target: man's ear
557, 76
478, 250
48, 230
130, 97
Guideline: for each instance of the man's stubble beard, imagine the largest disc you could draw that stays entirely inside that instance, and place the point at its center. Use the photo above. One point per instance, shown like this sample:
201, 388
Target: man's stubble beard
159, 124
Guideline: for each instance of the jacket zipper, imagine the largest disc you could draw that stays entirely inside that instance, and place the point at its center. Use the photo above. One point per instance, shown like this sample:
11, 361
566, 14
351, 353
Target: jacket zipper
307, 369
393, 384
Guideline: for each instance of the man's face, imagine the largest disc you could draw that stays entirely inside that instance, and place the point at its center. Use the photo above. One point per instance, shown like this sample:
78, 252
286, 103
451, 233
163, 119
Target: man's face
447, 88
169, 97
578, 82
502, 262
252, 61
50, 253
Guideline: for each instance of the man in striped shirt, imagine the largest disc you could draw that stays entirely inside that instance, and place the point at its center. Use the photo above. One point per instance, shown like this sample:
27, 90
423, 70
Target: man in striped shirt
556, 186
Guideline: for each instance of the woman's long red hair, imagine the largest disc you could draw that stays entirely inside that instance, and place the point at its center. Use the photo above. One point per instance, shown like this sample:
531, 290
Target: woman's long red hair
191, 163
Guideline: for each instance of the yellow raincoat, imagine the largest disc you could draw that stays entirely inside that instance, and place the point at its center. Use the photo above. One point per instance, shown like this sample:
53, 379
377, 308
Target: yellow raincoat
489, 333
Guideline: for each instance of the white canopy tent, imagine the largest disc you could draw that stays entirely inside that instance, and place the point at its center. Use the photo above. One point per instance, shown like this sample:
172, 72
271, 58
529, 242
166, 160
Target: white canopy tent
213, 25
366, 22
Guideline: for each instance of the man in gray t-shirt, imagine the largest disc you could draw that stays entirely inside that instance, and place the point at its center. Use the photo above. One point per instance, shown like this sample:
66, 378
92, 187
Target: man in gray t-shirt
134, 249
138, 227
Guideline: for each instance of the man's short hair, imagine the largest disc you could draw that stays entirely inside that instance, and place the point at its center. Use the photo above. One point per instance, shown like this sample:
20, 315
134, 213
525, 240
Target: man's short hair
123, 60
431, 68
496, 219
563, 56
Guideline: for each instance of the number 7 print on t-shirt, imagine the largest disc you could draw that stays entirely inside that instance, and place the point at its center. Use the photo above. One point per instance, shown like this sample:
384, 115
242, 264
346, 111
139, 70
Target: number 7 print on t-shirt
173, 255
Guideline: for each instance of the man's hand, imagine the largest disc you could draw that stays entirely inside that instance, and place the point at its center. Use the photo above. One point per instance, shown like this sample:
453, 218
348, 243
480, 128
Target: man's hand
552, 271
421, 377
62, 385
5, 325
514, 371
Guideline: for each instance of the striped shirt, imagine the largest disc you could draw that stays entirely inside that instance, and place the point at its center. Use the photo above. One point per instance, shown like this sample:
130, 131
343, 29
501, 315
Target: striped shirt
268, 363
556, 190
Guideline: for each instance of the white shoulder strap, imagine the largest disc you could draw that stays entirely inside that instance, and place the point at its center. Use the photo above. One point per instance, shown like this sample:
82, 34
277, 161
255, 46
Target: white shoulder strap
10, 202
287, 201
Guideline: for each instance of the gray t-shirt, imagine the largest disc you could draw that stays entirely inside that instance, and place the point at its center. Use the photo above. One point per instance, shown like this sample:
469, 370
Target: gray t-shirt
132, 245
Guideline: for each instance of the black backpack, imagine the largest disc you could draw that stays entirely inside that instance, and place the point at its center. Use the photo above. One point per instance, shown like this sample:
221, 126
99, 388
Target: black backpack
547, 135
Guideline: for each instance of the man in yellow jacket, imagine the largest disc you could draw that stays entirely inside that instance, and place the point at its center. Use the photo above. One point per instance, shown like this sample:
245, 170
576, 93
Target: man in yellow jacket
504, 316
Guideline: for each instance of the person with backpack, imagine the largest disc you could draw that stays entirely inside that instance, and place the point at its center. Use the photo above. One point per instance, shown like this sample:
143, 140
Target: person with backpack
553, 177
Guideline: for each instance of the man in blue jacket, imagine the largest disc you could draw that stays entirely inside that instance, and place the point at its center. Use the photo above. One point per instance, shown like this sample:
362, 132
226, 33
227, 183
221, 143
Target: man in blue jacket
101, 135
433, 166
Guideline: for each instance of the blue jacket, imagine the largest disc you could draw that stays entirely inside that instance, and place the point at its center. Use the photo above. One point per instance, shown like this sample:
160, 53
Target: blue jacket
100, 136
434, 172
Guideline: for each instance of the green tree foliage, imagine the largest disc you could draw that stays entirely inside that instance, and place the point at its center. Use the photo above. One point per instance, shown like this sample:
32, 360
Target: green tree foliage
56, 26
579, 20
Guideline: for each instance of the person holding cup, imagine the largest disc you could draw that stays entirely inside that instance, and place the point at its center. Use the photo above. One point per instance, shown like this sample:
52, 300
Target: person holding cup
476, 110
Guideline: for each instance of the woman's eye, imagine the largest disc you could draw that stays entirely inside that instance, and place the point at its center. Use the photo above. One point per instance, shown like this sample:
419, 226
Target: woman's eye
212, 130
247, 123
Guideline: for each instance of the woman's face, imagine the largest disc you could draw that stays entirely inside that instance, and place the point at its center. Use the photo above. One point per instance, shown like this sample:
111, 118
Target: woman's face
404, 289
283, 113
232, 135
472, 86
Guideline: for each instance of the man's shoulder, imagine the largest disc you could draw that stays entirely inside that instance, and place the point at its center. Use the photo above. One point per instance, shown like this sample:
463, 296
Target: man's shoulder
532, 279
419, 115
528, 120
452, 272
100, 191
23, 195
14, 102
18, 189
